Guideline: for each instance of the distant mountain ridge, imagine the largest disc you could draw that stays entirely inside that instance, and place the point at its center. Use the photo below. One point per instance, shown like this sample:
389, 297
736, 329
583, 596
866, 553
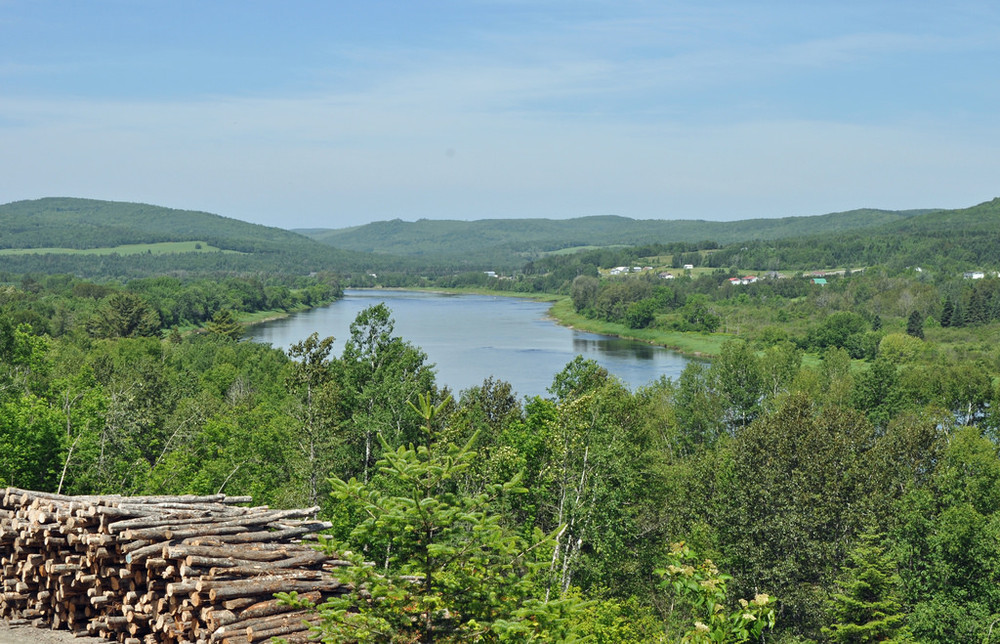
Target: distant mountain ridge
438, 247
521, 238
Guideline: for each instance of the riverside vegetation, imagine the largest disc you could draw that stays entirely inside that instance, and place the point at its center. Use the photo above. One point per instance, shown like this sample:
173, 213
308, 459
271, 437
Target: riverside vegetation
831, 475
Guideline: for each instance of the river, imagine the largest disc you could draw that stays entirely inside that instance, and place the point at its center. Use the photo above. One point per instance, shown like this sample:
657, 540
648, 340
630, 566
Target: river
472, 337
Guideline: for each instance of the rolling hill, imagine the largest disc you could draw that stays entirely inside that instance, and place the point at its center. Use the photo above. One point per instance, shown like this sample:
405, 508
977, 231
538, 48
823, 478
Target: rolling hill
93, 238
47, 231
957, 239
511, 242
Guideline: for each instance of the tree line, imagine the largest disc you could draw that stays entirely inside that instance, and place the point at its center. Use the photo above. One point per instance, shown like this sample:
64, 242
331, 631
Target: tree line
595, 511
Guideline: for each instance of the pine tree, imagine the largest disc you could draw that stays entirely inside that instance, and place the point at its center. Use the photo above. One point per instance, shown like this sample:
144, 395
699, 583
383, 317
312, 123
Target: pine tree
868, 608
124, 315
224, 323
915, 325
947, 312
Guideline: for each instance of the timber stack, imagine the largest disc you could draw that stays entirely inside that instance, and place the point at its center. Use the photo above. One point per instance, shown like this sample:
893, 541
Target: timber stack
160, 569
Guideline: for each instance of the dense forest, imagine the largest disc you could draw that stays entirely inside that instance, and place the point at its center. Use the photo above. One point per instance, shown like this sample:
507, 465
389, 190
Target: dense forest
832, 474
509, 243
54, 235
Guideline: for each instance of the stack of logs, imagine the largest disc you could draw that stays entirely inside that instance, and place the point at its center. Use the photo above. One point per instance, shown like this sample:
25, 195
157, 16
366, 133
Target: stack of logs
164, 570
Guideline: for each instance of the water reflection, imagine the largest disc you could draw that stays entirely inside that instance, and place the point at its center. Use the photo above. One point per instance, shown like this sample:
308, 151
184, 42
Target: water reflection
612, 346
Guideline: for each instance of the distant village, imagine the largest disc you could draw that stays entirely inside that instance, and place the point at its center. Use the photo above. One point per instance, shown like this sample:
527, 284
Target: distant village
816, 277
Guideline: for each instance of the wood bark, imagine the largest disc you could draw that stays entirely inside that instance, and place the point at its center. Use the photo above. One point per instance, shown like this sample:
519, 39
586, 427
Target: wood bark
163, 569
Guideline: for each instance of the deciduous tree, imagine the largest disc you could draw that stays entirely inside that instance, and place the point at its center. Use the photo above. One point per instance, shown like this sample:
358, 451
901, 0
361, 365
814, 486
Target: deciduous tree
447, 571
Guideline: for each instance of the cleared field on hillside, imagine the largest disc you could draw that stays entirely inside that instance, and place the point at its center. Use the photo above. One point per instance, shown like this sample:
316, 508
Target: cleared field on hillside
162, 248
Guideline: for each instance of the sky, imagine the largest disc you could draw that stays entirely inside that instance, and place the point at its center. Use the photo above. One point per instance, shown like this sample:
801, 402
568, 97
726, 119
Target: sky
328, 114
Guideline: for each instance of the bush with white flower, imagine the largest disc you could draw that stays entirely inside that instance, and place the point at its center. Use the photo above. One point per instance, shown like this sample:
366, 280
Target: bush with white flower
700, 584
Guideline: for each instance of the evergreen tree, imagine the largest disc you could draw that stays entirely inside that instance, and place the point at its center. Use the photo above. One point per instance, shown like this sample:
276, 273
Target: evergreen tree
915, 325
867, 608
947, 312
125, 315
975, 308
224, 323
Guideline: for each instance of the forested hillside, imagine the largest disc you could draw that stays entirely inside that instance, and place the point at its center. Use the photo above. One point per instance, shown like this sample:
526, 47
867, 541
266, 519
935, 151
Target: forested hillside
89, 223
953, 239
508, 242
53, 226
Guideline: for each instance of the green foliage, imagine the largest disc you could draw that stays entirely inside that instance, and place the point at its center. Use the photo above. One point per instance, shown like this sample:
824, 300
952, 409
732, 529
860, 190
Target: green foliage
949, 544
698, 410
381, 373
584, 292
899, 348
614, 301
615, 621
578, 377
30, 443
224, 323
915, 324
702, 588
125, 315
641, 314
836, 330
799, 486
312, 378
740, 382
867, 606
451, 573
698, 316
877, 392
948, 312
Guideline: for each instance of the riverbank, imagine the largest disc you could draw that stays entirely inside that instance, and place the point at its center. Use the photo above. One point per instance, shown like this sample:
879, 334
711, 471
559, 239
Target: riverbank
249, 319
701, 345
260, 317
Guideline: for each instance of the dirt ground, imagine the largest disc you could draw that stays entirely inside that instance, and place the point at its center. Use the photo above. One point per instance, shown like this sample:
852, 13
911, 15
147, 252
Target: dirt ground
28, 634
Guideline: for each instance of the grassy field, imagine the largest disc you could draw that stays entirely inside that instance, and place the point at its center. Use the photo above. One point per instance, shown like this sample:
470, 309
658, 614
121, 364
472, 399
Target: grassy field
576, 249
162, 248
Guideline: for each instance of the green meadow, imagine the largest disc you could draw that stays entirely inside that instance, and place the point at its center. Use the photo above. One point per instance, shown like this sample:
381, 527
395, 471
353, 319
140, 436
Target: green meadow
162, 248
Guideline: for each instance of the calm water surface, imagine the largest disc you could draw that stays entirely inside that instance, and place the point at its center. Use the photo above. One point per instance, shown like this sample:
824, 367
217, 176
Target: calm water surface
471, 337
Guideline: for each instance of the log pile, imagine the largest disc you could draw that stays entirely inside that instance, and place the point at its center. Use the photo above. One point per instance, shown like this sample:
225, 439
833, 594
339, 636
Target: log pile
163, 570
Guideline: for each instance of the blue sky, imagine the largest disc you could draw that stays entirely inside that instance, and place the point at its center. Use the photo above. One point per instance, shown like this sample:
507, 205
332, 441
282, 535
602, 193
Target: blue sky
333, 114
